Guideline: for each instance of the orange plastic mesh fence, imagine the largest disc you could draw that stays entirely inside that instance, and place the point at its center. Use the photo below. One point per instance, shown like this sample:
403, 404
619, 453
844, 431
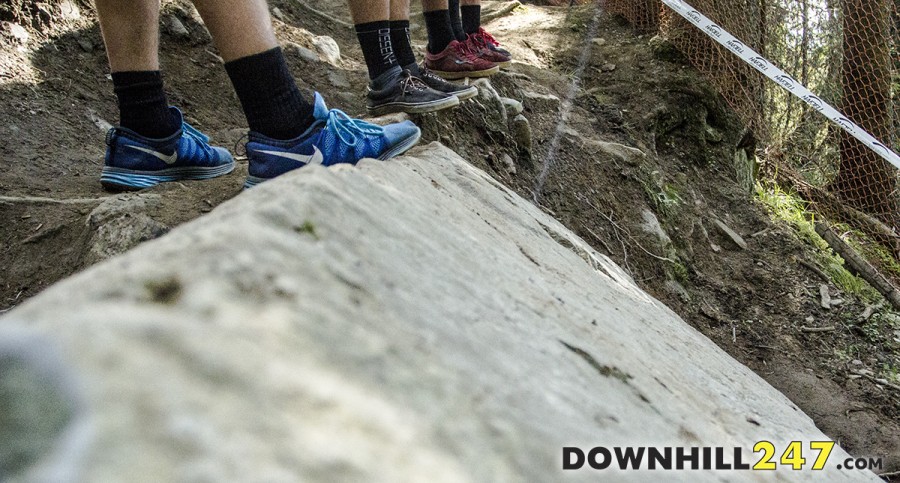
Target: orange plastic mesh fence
846, 51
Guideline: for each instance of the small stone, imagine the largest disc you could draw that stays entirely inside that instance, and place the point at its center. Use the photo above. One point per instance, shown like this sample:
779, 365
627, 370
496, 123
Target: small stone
508, 163
15, 31
121, 223
825, 297
836, 302
327, 48
277, 13
713, 135
338, 79
569, 131
492, 112
102, 124
652, 226
304, 53
599, 42
389, 118
737, 239
856, 362
810, 319
215, 57
513, 107
68, 10
85, 44
535, 100
627, 154
664, 50
521, 131
608, 67
174, 27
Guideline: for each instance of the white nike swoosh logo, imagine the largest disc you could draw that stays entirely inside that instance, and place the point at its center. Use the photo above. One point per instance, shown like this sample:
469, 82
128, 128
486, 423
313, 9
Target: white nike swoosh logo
168, 159
314, 158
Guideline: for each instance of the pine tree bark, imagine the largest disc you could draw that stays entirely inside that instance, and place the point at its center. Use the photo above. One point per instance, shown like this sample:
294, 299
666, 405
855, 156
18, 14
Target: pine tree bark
865, 180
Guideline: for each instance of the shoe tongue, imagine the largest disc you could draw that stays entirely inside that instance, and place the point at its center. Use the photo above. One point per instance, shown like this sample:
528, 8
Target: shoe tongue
413, 69
320, 111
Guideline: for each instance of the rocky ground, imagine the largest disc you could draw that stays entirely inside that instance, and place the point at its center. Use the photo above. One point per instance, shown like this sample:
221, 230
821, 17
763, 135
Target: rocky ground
605, 130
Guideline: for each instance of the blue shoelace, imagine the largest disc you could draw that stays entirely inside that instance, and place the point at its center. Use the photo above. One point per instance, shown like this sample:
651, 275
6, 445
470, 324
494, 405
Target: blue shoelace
193, 132
350, 130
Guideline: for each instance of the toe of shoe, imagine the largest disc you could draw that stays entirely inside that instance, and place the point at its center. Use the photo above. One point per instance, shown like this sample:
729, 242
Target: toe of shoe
398, 132
224, 155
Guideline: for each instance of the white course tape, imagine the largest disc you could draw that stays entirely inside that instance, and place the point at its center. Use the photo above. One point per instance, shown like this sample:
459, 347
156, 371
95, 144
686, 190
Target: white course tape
781, 78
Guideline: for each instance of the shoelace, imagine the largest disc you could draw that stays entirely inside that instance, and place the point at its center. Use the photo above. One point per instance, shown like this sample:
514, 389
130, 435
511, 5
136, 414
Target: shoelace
464, 50
202, 139
485, 36
194, 133
350, 130
410, 83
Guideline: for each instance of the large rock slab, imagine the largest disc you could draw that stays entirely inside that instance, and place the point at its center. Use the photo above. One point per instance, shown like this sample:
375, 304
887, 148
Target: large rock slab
409, 320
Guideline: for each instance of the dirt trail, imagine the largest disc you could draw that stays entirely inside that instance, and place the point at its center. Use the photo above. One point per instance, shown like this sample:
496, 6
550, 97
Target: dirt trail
658, 212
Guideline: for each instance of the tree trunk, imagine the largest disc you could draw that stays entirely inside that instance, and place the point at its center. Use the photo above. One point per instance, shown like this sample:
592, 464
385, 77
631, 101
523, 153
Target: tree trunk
865, 180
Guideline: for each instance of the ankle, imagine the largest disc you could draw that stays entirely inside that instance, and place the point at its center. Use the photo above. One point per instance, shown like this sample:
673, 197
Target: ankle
143, 107
386, 79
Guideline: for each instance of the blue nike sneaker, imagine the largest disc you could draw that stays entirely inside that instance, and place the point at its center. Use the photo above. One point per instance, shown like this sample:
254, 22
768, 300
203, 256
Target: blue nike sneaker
333, 138
134, 162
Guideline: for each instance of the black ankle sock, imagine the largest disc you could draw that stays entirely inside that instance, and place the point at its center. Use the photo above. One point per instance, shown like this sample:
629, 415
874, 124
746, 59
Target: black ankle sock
271, 100
437, 22
143, 107
375, 40
400, 42
456, 21
471, 18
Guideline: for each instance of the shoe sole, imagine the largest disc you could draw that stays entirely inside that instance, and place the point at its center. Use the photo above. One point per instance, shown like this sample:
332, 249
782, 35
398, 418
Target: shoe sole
504, 65
120, 179
469, 93
414, 107
462, 75
402, 146
397, 150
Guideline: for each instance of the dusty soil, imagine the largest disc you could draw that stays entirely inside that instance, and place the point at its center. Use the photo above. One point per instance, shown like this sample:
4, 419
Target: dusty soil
656, 215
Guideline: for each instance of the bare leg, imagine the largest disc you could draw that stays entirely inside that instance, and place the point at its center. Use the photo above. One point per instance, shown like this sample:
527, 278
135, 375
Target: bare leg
131, 33
239, 27
470, 2
432, 5
366, 11
399, 10
131, 30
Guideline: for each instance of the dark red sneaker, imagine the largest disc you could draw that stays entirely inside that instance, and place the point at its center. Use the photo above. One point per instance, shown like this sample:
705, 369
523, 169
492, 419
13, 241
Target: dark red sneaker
458, 61
486, 41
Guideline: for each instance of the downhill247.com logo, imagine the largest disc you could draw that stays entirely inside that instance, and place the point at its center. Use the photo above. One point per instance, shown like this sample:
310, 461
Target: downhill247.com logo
795, 456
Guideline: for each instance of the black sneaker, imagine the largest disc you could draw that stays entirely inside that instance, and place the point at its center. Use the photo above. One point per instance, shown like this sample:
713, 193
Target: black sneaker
403, 92
438, 83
